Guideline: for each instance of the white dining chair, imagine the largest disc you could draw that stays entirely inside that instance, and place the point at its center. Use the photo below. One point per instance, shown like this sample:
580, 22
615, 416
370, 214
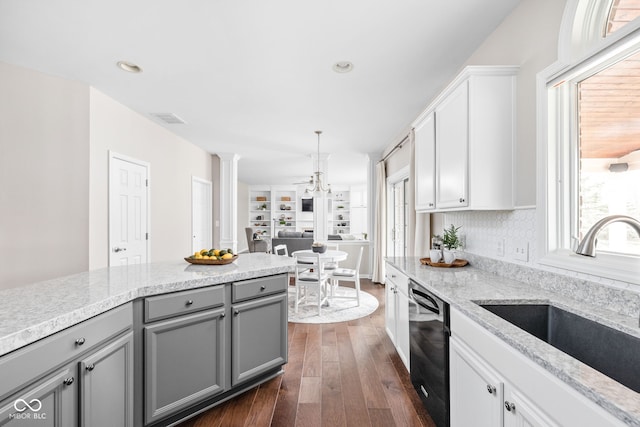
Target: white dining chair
331, 265
280, 250
309, 281
347, 275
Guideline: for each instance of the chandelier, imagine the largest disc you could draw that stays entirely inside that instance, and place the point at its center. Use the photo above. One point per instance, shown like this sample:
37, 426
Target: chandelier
316, 186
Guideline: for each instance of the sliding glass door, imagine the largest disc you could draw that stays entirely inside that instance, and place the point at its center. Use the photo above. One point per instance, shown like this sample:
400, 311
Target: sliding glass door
397, 217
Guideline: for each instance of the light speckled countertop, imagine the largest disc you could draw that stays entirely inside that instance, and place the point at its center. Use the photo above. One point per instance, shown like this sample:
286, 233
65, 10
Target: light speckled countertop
463, 287
32, 312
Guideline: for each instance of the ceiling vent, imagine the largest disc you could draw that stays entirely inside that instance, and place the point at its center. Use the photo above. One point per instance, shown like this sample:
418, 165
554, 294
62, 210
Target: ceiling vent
169, 118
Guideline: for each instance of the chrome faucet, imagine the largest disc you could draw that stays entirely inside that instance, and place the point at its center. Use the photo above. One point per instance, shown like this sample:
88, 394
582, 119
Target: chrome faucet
587, 246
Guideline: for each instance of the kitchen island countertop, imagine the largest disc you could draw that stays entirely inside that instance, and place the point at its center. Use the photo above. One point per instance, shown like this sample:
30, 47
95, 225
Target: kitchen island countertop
36, 311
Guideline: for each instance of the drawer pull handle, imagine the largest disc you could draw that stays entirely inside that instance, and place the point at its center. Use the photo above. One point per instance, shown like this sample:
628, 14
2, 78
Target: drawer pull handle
491, 389
68, 381
509, 406
90, 367
262, 288
189, 302
80, 341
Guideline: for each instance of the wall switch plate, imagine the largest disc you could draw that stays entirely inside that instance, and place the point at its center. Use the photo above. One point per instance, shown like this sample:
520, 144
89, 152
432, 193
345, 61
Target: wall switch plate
500, 247
521, 251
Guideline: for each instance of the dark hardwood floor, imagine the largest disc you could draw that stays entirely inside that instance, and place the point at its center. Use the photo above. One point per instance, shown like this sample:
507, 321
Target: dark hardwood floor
339, 374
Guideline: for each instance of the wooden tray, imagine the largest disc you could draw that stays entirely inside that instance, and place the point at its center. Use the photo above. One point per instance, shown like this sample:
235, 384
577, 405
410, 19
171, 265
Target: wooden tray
456, 263
207, 261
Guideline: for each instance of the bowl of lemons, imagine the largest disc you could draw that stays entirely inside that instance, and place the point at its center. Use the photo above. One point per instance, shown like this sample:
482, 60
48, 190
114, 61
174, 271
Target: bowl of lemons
212, 257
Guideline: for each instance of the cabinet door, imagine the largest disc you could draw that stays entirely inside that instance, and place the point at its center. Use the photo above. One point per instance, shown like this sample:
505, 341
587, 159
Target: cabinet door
425, 170
452, 139
184, 362
258, 337
106, 385
390, 309
50, 402
402, 327
476, 391
521, 412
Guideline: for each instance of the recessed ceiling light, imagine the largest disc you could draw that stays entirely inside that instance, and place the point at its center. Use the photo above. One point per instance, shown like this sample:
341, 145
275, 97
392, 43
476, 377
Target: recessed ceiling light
129, 67
342, 67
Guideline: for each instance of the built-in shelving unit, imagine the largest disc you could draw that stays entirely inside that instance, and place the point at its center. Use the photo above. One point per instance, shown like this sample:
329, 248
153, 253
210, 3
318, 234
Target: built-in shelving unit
340, 213
285, 210
260, 217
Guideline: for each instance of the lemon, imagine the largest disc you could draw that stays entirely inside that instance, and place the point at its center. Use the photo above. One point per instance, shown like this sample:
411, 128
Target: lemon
227, 256
216, 252
203, 251
197, 255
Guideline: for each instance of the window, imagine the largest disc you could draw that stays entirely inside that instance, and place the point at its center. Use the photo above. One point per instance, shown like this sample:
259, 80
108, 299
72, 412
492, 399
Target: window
591, 146
398, 211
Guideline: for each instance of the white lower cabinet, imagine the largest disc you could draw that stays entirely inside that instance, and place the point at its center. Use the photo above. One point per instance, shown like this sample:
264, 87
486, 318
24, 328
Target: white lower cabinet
397, 311
494, 385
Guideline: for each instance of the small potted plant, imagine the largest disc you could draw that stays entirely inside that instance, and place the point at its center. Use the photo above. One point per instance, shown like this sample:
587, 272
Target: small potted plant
263, 206
451, 242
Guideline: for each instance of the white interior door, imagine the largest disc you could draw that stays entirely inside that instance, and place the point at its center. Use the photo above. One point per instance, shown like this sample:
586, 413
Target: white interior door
128, 211
201, 212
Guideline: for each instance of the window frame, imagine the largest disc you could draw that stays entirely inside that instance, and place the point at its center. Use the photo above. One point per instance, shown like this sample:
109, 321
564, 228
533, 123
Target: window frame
583, 51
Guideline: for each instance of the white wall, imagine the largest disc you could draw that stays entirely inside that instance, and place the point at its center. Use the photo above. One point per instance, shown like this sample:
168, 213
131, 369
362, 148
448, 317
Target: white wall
173, 162
44, 176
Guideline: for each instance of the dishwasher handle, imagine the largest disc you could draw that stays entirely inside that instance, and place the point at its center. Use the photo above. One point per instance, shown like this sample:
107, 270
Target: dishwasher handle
429, 298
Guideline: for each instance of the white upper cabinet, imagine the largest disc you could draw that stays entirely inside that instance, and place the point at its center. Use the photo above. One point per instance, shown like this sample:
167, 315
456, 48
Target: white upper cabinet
464, 143
425, 152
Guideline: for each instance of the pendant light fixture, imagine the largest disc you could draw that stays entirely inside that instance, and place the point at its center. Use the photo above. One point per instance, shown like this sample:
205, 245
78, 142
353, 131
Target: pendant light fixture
317, 187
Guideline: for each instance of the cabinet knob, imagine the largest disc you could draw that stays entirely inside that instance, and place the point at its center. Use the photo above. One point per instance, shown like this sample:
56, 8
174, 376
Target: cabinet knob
431, 205
222, 315
68, 381
80, 341
509, 406
262, 288
236, 312
90, 367
491, 389
461, 199
189, 302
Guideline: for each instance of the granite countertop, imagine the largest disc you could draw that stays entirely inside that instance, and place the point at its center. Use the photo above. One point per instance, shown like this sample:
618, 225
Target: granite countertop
463, 287
36, 311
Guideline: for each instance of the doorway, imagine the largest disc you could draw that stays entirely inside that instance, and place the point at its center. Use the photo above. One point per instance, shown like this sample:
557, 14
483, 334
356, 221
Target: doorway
201, 214
128, 211
397, 213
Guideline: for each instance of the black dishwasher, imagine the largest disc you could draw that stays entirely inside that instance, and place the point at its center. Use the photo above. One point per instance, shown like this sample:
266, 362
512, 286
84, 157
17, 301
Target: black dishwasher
429, 351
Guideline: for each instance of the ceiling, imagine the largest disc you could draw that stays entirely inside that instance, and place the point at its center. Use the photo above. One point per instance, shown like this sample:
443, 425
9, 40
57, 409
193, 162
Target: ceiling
255, 77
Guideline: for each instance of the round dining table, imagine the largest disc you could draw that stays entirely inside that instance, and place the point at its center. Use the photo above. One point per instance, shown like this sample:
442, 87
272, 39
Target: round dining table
330, 255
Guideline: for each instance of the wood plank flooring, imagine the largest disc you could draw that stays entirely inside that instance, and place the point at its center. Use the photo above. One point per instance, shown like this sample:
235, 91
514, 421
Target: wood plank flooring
339, 374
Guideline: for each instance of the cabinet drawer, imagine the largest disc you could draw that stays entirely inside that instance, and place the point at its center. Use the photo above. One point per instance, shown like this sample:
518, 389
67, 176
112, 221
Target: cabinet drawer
255, 288
178, 303
400, 279
19, 368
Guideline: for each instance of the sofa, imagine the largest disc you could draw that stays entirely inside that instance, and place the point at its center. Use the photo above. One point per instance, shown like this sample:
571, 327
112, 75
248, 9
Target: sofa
297, 240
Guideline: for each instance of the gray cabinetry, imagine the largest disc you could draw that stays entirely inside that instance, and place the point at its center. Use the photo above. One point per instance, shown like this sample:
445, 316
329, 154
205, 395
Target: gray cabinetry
259, 327
47, 383
184, 362
49, 402
106, 385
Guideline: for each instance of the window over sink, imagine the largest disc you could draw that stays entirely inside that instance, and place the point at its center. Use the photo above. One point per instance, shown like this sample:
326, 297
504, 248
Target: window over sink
589, 139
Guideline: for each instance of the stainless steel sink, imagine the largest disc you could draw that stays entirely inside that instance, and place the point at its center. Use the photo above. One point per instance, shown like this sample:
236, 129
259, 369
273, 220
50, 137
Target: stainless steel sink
612, 352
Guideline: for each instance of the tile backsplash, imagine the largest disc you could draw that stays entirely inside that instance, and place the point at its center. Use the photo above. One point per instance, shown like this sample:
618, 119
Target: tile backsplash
501, 235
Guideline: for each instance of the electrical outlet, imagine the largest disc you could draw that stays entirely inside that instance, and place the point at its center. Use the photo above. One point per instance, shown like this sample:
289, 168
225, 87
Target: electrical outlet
521, 251
500, 247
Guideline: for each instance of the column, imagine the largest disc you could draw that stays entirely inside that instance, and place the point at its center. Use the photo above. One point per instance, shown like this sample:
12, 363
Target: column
228, 206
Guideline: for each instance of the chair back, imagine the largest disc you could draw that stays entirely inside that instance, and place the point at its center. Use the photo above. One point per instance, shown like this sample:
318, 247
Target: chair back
281, 250
359, 258
311, 261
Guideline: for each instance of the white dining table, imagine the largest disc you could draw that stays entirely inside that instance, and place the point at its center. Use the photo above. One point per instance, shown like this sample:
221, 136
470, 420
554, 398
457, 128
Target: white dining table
330, 255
